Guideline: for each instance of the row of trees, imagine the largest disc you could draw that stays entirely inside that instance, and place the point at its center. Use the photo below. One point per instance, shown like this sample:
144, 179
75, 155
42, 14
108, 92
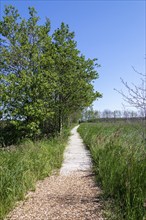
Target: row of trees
91, 114
44, 80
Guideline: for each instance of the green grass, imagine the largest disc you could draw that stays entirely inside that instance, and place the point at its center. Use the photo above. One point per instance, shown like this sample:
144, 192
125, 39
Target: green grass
119, 158
23, 165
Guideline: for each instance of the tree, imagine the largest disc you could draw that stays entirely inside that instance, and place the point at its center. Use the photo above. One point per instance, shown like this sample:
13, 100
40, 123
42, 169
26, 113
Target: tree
107, 113
88, 114
117, 114
136, 96
44, 78
75, 74
27, 85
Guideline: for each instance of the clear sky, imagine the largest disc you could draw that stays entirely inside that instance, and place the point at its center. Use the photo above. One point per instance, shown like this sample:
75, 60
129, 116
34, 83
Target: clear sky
112, 31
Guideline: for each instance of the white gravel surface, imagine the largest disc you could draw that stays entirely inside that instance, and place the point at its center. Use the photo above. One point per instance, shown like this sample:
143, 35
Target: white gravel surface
76, 156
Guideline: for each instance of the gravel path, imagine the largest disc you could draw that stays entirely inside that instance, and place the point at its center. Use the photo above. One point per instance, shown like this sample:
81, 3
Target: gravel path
72, 195
76, 156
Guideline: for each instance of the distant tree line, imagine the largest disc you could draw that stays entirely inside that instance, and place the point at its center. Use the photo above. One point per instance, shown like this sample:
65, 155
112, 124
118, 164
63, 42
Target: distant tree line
91, 114
45, 81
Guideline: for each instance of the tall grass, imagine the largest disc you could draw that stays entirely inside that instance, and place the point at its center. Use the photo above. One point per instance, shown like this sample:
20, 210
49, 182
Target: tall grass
119, 158
22, 166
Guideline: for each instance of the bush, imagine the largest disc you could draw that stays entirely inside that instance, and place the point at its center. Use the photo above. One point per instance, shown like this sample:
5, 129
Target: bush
8, 134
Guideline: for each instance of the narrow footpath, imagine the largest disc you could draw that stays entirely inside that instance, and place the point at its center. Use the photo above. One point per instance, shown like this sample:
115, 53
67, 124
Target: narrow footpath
71, 195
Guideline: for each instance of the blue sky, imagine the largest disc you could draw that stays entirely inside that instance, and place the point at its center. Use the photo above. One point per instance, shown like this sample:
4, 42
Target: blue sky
112, 31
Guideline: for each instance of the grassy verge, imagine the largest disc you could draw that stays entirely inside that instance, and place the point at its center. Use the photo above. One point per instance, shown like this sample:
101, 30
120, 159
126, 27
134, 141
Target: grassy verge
119, 158
23, 165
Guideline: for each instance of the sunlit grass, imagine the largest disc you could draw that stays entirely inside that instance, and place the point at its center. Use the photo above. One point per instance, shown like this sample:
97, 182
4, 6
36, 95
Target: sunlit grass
22, 166
119, 158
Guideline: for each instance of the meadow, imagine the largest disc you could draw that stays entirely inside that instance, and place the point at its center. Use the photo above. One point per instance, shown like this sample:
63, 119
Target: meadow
22, 165
118, 152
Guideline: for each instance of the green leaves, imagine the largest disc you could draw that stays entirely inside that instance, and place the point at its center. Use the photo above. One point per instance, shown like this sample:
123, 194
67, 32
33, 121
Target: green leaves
44, 78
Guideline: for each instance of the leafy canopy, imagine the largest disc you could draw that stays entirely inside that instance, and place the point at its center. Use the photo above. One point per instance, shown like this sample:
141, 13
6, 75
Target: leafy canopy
44, 78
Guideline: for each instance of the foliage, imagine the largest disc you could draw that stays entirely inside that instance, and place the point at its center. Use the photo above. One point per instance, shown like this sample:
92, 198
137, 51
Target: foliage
44, 78
26, 86
21, 166
89, 114
8, 134
75, 75
119, 158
